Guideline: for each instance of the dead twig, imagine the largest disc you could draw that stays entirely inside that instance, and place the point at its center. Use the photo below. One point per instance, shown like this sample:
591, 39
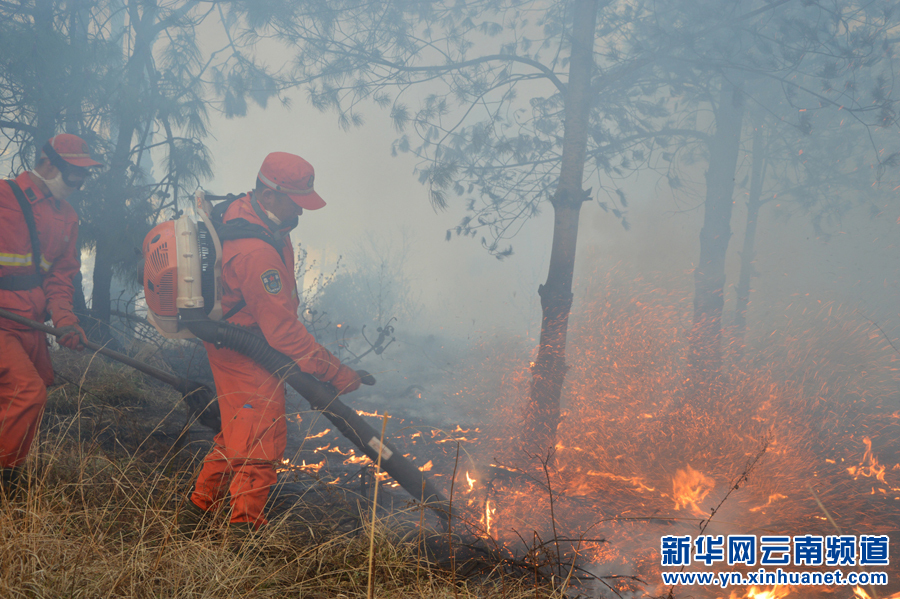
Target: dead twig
888, 339
734, 487
450, 526
737, 484
544, 462
371, 585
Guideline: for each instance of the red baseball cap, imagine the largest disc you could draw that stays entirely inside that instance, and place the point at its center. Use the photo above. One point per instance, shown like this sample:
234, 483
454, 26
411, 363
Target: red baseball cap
72, 149
291, 175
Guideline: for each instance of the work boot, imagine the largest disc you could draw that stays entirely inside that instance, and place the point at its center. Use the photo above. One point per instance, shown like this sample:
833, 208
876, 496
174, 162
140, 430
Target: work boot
11, 480
190, 518
242, 538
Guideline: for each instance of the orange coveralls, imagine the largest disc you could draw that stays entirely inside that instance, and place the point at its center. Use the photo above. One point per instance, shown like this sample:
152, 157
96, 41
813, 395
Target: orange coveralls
25, 368
251, 400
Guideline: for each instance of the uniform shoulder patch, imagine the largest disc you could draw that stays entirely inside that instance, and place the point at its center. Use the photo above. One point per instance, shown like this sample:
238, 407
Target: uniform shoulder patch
271, 281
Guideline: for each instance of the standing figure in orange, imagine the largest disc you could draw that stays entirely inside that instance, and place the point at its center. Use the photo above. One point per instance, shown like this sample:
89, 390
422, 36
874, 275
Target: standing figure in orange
260, 292
38, 240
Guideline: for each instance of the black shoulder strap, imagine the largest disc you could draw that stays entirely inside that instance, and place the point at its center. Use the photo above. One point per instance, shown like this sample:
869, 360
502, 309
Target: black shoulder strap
217, 214
239, 228
25, 205
235, 309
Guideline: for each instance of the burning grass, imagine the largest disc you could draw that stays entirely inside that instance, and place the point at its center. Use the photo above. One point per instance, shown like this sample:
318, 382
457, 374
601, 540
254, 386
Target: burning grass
640, 456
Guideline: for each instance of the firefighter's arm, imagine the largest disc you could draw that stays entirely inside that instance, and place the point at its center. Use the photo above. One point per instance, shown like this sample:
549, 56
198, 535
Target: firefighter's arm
266, 288
58, 287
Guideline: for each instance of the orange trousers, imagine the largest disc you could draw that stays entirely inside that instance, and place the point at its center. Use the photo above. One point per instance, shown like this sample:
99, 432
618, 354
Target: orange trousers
252, 441
25, 372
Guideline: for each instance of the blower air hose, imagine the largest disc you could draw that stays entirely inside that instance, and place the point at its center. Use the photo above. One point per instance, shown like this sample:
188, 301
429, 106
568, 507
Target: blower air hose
321, 396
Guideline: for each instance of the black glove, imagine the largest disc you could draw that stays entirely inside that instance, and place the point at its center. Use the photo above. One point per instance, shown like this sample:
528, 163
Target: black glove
365, 378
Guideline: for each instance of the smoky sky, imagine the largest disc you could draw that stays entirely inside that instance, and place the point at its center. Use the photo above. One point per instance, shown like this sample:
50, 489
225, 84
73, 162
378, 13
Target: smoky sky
369, 192
464, 290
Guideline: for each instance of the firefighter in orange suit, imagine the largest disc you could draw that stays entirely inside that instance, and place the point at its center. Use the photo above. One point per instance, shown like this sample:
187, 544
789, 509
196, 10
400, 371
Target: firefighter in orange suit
38, 237
258, 281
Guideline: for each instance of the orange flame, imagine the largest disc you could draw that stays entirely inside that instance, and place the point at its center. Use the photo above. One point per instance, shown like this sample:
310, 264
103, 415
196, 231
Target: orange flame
690, 487
772, 499
869, 466
355, 459
288, 466
774, 593
312, 467
374, 414
317, 435
487, 519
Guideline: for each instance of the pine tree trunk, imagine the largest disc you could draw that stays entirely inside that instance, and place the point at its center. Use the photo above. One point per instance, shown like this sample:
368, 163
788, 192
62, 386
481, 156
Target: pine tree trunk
102, 281
78, 38
79, 14
757, 176
549, 370
118, 184
45, 113
705, 353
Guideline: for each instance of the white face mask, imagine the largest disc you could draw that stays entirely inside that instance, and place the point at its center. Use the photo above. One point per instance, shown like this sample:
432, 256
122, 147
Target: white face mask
56, 186
272, 217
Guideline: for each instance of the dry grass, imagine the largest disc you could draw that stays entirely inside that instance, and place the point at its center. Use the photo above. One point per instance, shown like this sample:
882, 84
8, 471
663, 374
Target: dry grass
97, 520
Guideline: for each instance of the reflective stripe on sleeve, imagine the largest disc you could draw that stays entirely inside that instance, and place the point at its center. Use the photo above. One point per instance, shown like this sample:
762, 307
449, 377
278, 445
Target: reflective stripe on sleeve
22, 260
16, 259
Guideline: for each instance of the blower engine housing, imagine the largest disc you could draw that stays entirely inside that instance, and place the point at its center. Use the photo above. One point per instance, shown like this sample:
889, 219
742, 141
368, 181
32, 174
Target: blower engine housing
182, 269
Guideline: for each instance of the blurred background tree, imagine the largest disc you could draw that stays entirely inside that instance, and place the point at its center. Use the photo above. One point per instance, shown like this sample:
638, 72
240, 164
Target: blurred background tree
131, 77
